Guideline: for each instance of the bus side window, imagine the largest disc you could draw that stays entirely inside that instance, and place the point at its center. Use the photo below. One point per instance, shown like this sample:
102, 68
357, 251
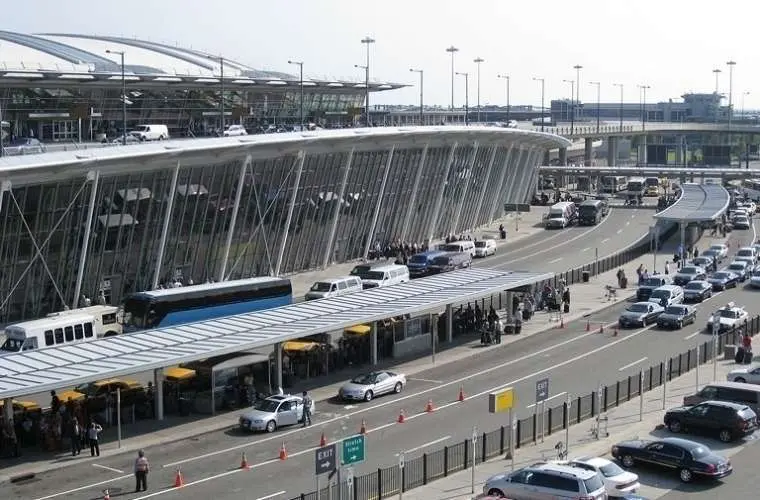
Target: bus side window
88, 330
59, 335
69, 333
49, 339
78, 333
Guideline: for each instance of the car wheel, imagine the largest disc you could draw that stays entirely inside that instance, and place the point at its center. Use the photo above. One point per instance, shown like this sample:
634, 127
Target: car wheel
741, 380
685, 475
494, 492
628, 461
725, 435
271, 426
368, 396
674, 426
398, 387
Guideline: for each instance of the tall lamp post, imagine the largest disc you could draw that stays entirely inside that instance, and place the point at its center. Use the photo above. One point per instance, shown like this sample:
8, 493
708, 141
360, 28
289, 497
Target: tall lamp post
422, 75
477, 61
466, 97
120, 53
717, 72
452, 50
300, 85
577, 103
363, 67
543, 88
572, 114
367, 41
220, 60
730, 65
643, 92
598, 102
506, 78
621, 104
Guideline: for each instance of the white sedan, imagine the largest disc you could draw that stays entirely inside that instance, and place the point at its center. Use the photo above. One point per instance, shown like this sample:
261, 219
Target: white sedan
750, 375
721, 250
365, 387
235, 130
617, 482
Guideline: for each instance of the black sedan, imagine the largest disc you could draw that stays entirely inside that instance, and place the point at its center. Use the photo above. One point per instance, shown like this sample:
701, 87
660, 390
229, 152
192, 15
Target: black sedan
689, 458
697, 291
723, 280
676, 316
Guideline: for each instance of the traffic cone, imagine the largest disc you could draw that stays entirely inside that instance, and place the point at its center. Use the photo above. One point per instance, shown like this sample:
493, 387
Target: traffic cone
363, 428
179, 482
322, 440
461, 394
244, 463
283, 452
401, 417
106, 494
588, 325
601, 328
429, 406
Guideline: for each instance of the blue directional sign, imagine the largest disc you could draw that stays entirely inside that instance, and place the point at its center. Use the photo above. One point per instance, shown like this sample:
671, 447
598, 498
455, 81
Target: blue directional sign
353, 450
325, 459
542, 390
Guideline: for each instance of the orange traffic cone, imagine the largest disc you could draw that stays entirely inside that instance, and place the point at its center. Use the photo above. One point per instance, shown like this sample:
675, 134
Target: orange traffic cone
461, 394
322, 440
179, 482
106, 494
401, 417
429, 406
283, 452
588, 325
601, 328
244, 463
363, 428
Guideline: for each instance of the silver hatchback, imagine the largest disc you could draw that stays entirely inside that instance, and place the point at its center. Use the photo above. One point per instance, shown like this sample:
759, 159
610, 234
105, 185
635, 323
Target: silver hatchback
547, 481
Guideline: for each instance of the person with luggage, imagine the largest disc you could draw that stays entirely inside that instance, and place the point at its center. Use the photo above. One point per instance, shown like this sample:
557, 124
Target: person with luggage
566, 300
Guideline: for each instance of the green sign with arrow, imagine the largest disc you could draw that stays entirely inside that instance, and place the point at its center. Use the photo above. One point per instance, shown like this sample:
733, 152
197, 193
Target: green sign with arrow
353, 450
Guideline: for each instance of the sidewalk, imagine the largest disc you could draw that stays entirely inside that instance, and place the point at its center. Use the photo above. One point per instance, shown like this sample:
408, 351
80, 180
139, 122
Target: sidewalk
587, 299
624, 423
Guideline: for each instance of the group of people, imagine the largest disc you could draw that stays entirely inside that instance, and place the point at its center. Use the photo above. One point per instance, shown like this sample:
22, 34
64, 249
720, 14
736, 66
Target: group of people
401, 250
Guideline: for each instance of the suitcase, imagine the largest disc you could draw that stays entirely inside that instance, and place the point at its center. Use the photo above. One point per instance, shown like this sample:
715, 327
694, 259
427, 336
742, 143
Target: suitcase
739, 357
526, 314
567, 308
747, 357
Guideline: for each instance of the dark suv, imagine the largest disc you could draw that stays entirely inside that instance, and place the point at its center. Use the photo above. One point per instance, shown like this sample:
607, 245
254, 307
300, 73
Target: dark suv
728, 421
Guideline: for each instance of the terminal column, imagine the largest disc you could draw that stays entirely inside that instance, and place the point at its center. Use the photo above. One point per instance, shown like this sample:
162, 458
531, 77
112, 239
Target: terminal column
278, 366
158, 396
449, 323
612, 151
588, 151
563, 157
510, 298
679, 150
8, 410
373, 344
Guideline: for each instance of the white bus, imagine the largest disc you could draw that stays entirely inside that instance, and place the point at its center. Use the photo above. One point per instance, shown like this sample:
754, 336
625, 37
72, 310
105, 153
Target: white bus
613, 183
636, 186
62, 328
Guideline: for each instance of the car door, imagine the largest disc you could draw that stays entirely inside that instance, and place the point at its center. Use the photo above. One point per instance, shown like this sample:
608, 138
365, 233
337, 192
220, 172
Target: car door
696, 418
383, 383
753, 376
668, 455
286, 413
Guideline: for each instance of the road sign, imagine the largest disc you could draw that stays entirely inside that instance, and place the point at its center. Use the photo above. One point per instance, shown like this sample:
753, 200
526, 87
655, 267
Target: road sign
542, 390
353, 450
349, 476
324, 459
401, 460
474, 435
501, 401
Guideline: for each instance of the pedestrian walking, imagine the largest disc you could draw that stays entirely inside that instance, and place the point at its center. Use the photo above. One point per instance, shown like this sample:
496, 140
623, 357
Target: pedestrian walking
306, 409
142, 467
93, 435
76, 439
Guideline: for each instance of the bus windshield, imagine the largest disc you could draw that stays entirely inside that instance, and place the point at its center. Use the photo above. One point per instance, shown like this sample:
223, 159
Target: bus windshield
12, 345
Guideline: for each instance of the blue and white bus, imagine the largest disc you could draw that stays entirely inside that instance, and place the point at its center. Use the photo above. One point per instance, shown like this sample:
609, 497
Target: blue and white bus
177, 306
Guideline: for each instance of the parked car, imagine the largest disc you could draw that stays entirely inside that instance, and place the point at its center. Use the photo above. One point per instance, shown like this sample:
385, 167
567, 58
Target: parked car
366, 387
697, 291
25, 146
741, 222
703, 261
746, 374
676, 316
546, 480
754, 279
484, 248
689, 458
649, 284
234, 130
729, 316
728, 421
273, 412
689, 273
617, 481
720, 249
739, 267
640, 314
723, 280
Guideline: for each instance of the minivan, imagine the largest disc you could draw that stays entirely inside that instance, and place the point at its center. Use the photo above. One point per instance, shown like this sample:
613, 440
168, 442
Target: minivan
390, 274
733, 392
450, 262
334, 287
561, 215
459, 246
419, 263
667, 295
151, 132
484, 248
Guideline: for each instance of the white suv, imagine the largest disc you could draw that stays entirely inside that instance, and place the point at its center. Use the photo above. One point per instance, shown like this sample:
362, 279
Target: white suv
547, 480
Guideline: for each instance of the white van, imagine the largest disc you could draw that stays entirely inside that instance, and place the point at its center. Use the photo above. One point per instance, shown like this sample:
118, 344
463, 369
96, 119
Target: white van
459, 247
561, 215
334, 287
391, 274
151, 132
484, 248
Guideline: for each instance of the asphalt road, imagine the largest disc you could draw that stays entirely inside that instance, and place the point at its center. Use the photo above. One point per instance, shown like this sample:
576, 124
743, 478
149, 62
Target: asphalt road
210, 462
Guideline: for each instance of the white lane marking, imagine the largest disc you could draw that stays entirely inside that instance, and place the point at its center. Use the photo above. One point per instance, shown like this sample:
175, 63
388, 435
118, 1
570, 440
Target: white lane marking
586, 249
272, 495
619, 231
431, 443
193, 483
691, 336
634, 215
634, 363
555, 260
547, 399
108, 468
86, 487
425, 380
605, 240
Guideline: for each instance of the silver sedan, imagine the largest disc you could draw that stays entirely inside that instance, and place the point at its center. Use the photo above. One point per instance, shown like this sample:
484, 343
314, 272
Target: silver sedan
273, 412
365, 387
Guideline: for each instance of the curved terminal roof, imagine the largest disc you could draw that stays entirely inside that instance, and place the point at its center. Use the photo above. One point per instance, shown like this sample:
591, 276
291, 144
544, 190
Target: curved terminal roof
697, 203
85, 58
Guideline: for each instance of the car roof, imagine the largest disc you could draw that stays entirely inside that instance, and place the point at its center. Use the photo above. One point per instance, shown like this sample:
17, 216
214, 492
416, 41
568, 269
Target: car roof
593, 461
726, 404
683, 443
566, 469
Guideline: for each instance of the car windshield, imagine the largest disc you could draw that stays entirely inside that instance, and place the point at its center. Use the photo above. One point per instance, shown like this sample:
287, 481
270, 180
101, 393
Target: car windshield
594, 483
321, 286
721, 276
660, 294
652, 282
736, 267
373, 275
418, 259
639, 308
694, 285
365, 379
744, 253
716, 248
611, 470
756, 274
728, 313
689, 270
480, 244
441, 261
12, 345
266, 405
675, 310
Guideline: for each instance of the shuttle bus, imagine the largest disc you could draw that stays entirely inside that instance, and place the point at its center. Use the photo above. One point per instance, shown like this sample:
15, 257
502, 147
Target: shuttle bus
636, 186
613, 183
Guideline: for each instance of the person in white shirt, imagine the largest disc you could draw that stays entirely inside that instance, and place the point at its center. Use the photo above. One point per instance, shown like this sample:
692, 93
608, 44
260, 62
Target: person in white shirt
93, 434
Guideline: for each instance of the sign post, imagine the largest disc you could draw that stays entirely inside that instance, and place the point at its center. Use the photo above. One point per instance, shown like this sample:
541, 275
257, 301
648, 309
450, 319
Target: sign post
350, 482
715, 332
664, 381
353, 450
542, 394
641, 396
567, 424
474, 456
512, 438
401, 476
504, 400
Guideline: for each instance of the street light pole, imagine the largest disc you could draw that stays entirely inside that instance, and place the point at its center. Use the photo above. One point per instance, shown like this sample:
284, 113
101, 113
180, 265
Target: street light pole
717, 72
543, 88
578, 69
452, 50
572, 113
477, 61
506, 77
300, 84
621, 104
367, 41
745, 94
421, 73
466, 97
598, 102
120, 53
730, 65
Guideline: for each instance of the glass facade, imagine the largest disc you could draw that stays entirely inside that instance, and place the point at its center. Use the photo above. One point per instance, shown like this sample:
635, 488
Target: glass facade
296, 211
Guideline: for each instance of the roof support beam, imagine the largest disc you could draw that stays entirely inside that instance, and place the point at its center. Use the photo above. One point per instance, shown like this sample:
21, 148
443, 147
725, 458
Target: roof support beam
336, 211
235, 209
94, 177
301, 159
165, 228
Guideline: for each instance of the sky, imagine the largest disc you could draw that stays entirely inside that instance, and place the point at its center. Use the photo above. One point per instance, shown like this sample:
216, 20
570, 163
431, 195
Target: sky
672, 46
